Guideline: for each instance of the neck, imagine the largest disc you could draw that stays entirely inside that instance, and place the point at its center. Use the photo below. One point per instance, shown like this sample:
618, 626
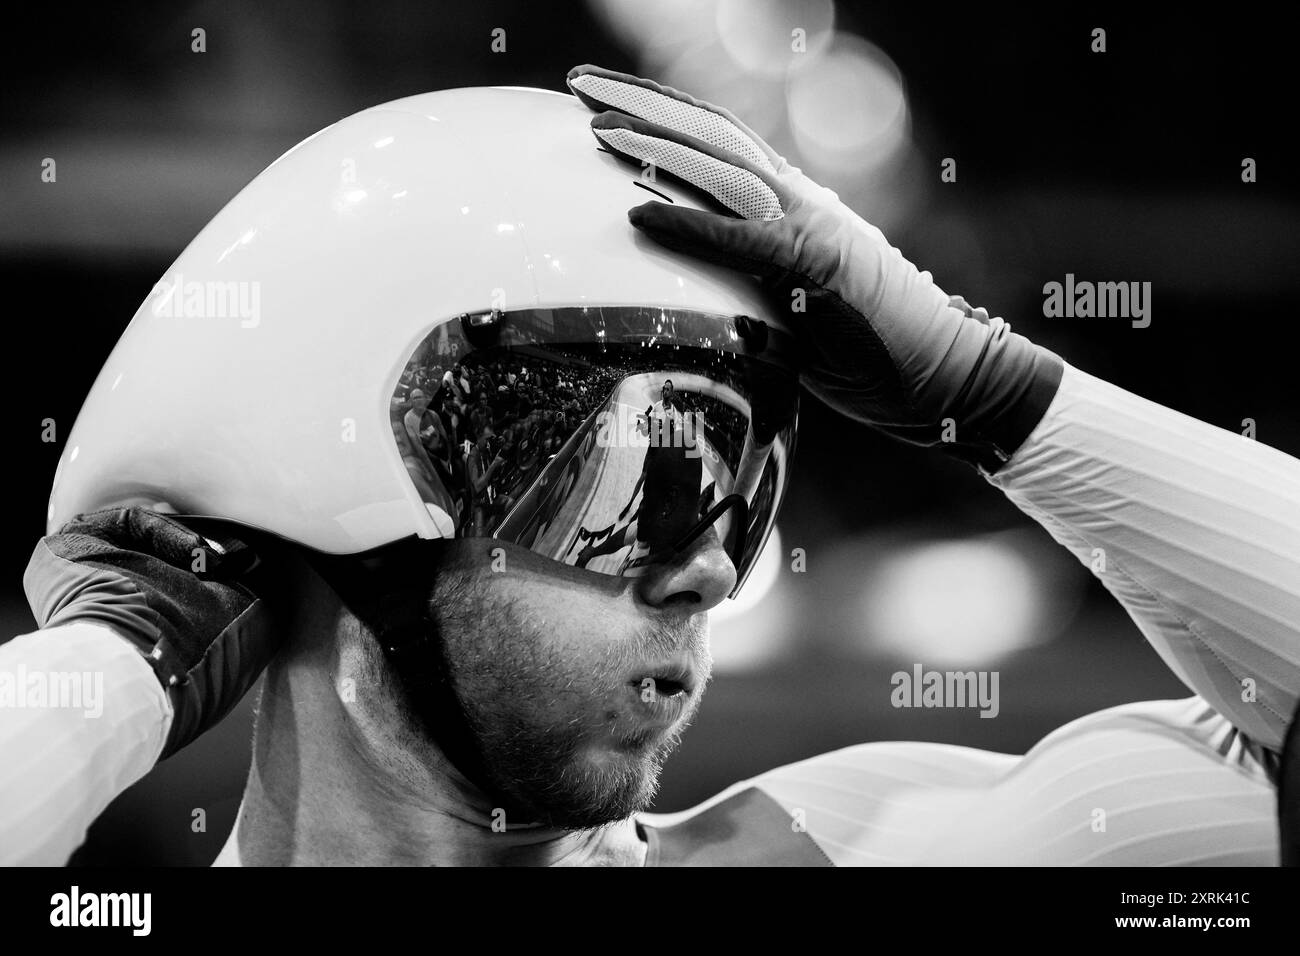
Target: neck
331, 785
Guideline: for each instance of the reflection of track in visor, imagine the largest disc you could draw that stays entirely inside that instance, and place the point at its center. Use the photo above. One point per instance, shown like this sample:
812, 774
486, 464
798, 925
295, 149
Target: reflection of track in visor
604, 438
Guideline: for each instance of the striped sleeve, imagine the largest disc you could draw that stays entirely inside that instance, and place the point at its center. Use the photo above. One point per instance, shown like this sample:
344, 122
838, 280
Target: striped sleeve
82, 717
1194, 529
1154, 783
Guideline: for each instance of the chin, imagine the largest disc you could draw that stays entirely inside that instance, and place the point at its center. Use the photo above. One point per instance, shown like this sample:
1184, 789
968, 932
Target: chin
596, 786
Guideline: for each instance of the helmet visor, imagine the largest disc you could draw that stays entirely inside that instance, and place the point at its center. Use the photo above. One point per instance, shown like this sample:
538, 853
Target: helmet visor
609, 438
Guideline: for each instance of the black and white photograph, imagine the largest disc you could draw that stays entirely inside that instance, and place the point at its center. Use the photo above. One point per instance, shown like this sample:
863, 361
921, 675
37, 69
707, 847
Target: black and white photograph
739, 434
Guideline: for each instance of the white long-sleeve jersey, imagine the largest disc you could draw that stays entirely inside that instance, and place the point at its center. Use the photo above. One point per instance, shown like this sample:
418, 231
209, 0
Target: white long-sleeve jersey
1200, 531
1200, 528
59, 766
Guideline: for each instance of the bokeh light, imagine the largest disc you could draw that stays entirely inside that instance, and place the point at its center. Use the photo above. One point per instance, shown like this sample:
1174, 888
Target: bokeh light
847, 108
752, 630
961, 602
661, 29
760, 37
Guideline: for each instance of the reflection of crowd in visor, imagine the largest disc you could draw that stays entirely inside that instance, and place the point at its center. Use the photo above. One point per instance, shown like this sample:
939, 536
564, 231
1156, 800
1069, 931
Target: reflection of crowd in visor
671, 500
487, 429
589, 452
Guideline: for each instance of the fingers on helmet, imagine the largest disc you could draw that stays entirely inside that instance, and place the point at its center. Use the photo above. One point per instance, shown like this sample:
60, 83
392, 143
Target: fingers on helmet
722, 240
602, 89
747, 191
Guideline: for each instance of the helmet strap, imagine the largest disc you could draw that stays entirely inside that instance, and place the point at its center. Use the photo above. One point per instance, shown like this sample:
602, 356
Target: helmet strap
380, 590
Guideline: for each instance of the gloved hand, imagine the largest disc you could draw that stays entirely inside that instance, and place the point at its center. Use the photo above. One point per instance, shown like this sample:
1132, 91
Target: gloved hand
883, 344
191, 602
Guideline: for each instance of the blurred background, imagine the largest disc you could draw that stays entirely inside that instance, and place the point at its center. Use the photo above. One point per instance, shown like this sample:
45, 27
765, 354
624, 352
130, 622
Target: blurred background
1117, 166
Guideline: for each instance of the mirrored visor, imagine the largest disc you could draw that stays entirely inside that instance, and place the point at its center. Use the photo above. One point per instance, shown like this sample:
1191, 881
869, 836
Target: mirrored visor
606, 438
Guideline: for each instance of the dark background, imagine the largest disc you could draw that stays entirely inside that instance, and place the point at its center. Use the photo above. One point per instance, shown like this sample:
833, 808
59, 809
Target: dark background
1122, 166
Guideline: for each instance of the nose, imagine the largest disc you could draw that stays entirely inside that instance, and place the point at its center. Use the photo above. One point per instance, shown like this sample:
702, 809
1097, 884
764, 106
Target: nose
695, 580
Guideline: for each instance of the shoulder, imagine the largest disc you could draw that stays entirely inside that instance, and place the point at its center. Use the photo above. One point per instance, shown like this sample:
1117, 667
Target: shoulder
860, 773
1177, 780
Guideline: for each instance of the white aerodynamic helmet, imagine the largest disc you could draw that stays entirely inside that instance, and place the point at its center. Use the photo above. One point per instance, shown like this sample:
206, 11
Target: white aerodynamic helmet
434, 319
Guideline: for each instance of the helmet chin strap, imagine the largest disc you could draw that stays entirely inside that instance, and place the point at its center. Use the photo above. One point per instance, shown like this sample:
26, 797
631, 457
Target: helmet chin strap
382, 591
413, 646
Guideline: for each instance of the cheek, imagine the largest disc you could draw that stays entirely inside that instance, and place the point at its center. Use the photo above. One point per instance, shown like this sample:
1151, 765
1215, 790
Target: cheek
542, 647
544, 634
581, 646
574, 623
